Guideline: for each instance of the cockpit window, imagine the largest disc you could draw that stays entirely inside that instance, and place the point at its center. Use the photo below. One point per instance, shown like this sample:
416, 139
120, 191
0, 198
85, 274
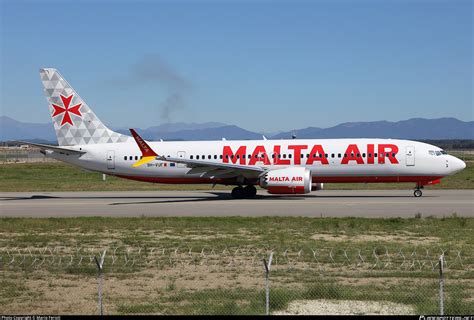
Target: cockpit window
431, 152
443, 152
438, 153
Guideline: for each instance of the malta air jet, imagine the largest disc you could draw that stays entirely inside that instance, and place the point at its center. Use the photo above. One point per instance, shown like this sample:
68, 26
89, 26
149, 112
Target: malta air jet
294, 166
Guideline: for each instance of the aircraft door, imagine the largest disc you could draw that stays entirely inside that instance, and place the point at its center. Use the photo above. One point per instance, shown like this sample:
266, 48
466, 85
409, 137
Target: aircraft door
110, 158
410, 156
181, 155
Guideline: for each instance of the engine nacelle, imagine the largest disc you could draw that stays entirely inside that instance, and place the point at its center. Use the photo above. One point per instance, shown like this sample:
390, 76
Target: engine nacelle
318, 186
295, 180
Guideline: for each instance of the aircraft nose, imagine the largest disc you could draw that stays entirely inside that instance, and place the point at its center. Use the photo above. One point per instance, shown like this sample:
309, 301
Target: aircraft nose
458, 164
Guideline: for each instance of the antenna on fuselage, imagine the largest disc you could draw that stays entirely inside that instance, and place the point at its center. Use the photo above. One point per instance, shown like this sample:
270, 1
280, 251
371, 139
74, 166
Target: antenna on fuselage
293, 135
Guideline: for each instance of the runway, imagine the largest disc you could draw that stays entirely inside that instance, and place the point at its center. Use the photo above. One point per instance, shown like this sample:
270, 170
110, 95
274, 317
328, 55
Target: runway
334, 203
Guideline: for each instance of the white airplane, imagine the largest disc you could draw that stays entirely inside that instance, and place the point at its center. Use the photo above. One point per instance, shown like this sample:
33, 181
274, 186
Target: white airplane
294, 166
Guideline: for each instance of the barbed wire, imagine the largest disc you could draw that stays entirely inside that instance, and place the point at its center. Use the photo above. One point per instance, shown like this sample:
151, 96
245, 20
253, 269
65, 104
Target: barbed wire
322, 258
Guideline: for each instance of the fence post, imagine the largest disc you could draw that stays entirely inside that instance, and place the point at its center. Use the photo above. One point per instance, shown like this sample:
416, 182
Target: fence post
100, 277
267, 282
441, 284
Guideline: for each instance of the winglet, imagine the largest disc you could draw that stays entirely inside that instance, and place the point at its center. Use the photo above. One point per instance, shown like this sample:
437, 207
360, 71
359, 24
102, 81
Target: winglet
147, 153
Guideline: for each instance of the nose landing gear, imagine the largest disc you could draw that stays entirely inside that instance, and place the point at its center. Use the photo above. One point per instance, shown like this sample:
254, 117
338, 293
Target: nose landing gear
242, 193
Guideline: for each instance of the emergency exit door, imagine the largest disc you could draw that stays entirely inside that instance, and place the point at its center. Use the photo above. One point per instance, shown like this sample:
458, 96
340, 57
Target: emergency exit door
181, 155
410, 156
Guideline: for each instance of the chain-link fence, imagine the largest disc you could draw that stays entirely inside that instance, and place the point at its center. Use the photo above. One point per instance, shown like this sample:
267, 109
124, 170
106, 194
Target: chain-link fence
236, 280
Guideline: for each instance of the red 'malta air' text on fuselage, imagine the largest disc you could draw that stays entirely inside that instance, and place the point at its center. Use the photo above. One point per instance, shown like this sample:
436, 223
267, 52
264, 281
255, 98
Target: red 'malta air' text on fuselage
381, 153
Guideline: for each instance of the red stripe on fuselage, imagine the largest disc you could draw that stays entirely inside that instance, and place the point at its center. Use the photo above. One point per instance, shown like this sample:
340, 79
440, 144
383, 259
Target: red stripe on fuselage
320, 179
375, 179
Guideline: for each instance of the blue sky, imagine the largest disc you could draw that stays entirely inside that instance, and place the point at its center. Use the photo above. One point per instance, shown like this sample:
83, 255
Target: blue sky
262, 65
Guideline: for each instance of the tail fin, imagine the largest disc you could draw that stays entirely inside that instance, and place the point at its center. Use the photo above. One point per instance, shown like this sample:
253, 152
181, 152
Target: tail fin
74, 122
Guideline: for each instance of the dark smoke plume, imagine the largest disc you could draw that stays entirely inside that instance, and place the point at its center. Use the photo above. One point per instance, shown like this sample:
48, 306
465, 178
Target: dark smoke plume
151, 69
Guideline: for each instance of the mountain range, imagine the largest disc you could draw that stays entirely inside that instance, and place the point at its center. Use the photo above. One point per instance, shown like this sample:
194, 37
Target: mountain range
416, 129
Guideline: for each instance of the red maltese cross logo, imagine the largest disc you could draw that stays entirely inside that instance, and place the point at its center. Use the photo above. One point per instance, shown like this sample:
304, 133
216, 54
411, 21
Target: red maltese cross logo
66, 109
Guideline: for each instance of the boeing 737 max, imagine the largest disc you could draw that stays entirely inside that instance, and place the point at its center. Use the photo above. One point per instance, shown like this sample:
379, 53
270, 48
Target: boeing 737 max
294, 166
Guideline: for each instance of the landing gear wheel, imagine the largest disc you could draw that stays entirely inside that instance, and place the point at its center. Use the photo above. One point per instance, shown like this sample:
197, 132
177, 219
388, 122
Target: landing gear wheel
417, 193
237, 193
250, 191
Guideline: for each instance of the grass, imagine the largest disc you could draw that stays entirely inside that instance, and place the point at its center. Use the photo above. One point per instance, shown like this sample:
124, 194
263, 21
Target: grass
57, 176
211, 231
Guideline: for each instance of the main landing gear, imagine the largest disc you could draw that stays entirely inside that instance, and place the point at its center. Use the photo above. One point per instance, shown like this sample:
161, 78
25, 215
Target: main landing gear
242, 193
418, 193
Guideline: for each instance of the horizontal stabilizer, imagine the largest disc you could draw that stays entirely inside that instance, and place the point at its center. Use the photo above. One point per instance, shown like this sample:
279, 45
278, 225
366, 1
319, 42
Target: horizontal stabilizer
53, 148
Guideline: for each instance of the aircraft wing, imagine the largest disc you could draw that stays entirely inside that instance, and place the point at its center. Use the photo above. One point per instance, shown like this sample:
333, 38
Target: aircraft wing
207, 169
54, 148
217, 169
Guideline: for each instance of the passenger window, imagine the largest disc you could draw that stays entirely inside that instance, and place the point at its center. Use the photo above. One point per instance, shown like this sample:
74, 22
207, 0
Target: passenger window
370, 155
375, 155
325, 155
284, 156
358, 155
307, 155
338, 155
130, 158
220, 156
197, 157
238, 156
232, 156
332, 155
345, 155
363, 155
125, 158
302, 156
393, 154
215, 156
191, 157
136, 157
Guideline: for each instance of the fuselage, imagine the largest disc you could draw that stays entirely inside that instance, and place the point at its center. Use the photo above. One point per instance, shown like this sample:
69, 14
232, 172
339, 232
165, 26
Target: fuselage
329, 160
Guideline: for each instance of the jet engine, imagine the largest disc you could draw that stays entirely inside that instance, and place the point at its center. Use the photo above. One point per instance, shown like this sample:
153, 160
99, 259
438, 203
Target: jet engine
295, 180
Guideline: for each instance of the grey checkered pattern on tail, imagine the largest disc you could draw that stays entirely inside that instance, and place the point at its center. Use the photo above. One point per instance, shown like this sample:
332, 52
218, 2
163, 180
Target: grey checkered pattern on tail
86, 128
